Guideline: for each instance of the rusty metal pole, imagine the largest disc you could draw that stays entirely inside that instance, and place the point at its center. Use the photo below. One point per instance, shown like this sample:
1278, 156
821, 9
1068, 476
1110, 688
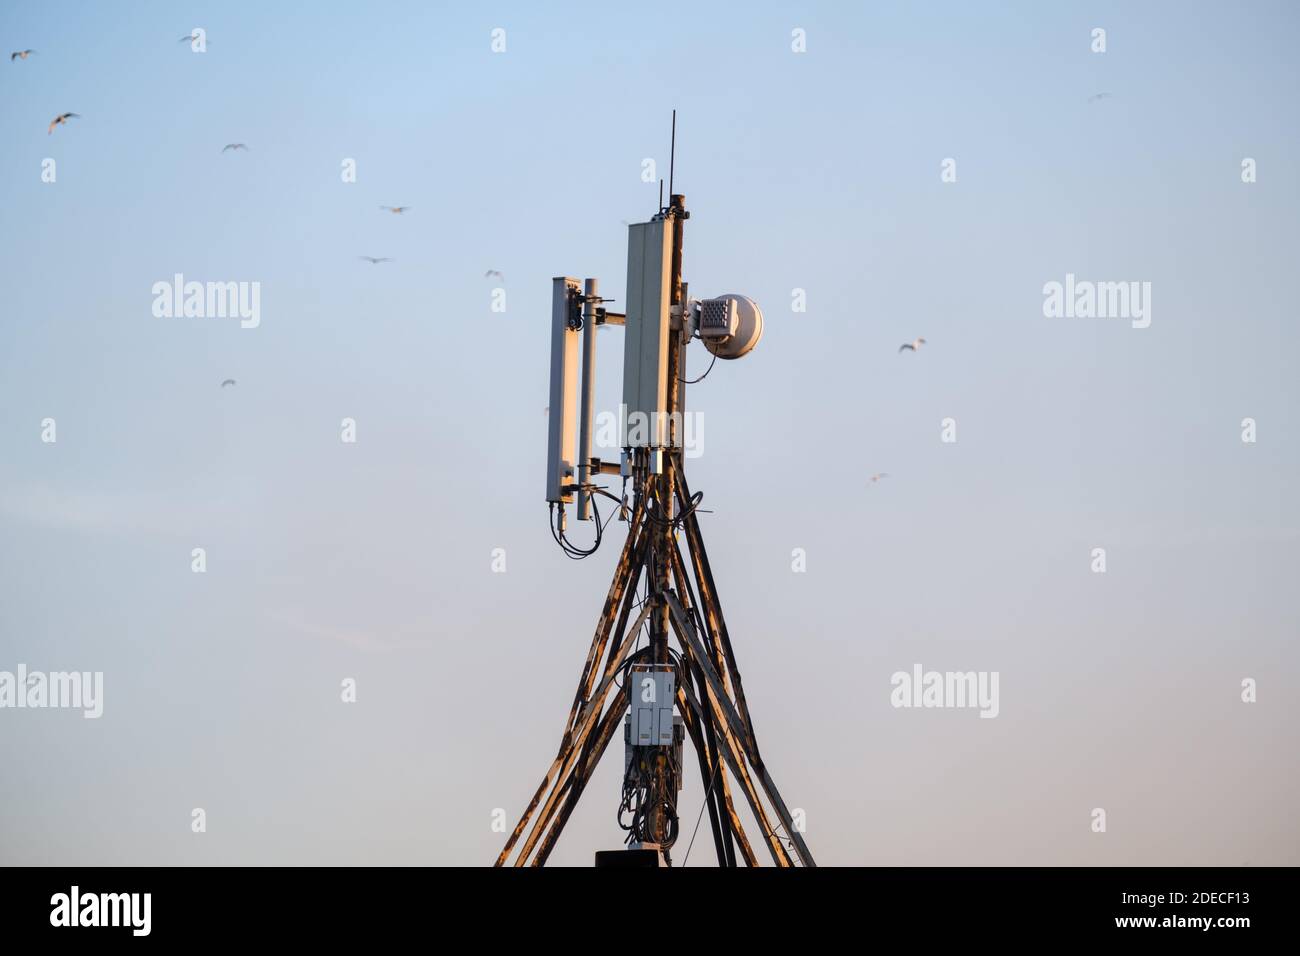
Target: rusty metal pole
667, 481
662, 793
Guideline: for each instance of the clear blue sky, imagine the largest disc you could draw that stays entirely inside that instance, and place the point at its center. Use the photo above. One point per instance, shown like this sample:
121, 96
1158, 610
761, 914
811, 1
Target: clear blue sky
817, 171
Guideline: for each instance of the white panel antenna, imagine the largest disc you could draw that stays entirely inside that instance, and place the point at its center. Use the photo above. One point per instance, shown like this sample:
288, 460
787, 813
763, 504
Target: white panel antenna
645, 344
561, 466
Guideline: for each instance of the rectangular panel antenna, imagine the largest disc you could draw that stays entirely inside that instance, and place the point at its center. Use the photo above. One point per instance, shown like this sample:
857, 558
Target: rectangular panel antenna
561, 466
645, 339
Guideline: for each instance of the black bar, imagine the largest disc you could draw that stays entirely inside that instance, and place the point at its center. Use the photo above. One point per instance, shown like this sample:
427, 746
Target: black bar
376, 905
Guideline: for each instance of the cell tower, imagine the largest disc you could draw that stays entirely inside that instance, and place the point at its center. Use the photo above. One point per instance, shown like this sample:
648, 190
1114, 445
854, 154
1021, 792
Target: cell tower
657, 693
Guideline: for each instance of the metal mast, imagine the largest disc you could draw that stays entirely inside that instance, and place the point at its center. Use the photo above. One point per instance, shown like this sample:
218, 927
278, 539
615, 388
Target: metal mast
705, 697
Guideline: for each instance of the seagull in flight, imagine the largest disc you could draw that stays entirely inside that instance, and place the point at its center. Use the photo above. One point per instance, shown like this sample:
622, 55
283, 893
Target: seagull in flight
373, 261
914, 345
188, 38
235, 146
61, 120
396, 210
1099, 96
493, 272
875, 479
20, 55
229, 381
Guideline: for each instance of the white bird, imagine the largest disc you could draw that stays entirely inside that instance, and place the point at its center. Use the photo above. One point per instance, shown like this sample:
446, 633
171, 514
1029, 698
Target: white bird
20, 55
914, 345
373, 261
234, 146
62, 120
875, 479
397, 210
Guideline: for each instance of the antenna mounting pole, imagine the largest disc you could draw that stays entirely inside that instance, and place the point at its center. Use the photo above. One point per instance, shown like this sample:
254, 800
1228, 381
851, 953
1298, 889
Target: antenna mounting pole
672, 158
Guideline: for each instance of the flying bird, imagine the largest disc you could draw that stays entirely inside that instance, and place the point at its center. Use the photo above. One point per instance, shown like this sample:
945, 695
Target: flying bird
229, 381
875, 479
62, 119
914, 345
373, 261
1099, 96
396, 210
188, 38
234, 146
493, 272
20, 55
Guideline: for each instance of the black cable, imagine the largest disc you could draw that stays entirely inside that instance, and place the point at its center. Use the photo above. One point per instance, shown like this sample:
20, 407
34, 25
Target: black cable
702, 377
571, 550
676, 522
601, 491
